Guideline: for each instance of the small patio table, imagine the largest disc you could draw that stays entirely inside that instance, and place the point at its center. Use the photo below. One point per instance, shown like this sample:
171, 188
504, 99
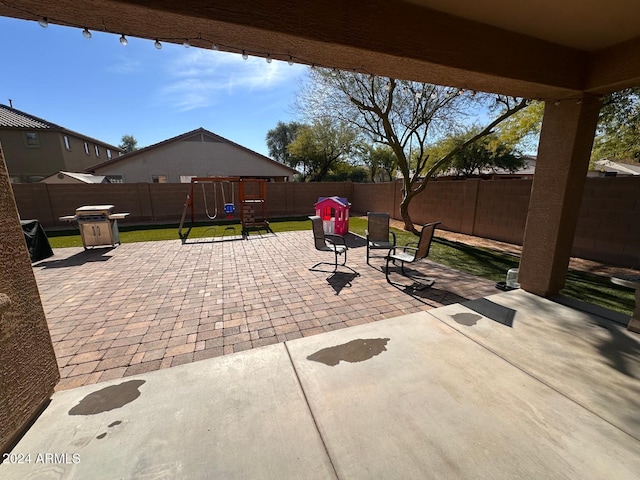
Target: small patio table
631, 281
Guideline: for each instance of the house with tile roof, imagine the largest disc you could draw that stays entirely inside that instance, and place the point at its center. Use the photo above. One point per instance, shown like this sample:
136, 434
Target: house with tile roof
198, 153
35, 148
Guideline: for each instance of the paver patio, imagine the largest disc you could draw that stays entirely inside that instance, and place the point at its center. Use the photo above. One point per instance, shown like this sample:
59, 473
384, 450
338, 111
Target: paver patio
146, 306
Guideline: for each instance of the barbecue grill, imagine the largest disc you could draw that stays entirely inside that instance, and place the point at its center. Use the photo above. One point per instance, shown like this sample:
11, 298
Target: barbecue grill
98, 225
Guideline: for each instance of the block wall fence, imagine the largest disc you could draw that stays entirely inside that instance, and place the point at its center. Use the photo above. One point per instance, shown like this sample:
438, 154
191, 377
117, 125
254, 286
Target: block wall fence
608, 228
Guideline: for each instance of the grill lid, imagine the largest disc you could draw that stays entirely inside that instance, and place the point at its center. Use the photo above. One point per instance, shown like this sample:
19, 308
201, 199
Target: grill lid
94, 210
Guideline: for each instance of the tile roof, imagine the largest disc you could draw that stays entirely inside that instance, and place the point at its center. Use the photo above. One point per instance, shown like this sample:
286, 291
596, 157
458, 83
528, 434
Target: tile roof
218, 138
12, 118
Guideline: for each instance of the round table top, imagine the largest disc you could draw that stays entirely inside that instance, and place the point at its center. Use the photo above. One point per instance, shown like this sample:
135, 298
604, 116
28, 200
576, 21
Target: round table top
631, 281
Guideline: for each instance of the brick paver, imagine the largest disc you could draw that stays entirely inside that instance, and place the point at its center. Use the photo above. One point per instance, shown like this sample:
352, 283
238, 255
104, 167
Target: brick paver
145, 306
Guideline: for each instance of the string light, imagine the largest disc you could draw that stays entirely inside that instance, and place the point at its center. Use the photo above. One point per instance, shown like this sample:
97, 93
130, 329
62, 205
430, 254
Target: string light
44, 23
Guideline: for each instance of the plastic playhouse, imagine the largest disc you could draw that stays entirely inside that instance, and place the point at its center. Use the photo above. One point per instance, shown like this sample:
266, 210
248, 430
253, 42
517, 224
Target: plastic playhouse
334, 212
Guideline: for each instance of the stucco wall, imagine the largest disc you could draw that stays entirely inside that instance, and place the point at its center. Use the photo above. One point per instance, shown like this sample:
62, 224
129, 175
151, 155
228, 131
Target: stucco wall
28, 368
24, 161
195, 158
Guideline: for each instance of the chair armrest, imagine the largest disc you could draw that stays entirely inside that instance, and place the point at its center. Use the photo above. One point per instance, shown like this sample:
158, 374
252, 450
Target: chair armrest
366, 234
407, 247
338, 239
394, 237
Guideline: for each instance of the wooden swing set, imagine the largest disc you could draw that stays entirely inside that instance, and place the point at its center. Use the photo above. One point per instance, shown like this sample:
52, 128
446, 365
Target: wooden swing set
252, 198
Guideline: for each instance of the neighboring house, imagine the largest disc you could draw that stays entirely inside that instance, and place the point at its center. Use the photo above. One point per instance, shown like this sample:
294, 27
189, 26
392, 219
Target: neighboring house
607, 168
71, 177
35, 148
199, 153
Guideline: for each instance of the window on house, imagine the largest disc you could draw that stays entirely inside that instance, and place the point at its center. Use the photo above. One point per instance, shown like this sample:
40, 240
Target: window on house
67, 143
108, 154
97, 150
186, 178
158, 179
15, 178
32, 139
115, 178
86, 148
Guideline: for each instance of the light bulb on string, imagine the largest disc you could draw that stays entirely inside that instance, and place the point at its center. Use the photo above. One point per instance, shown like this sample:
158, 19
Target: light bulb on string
244, 55
43, 22
157, 44
186, 44
215, 47
268, 59
290, 62
86, 33
123, 40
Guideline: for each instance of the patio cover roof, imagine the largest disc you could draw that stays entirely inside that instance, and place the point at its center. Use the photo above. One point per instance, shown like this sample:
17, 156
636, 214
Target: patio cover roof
545, 49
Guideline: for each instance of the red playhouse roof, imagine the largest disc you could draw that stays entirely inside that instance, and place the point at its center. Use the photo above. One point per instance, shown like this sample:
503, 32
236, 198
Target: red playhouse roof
342, 201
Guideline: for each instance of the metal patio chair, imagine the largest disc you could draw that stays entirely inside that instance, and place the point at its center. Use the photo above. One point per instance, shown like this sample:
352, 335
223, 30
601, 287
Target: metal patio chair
329, 243
378, 234
411, 254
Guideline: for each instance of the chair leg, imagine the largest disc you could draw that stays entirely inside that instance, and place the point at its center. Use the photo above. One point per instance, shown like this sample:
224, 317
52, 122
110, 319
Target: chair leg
367, 253
386, 270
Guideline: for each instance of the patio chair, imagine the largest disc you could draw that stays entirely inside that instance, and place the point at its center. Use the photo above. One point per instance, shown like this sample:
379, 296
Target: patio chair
411, 254
379, 237
328, 243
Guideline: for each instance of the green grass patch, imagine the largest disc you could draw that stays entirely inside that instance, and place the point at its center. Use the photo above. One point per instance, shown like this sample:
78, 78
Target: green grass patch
481, 262
493, 265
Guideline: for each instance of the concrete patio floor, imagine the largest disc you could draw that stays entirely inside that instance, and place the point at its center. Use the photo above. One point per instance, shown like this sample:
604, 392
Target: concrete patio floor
446, 393
146, 306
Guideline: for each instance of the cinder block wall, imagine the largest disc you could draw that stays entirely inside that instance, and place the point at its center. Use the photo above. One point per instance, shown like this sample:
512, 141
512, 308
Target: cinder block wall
28, 368
501, 210
608, 227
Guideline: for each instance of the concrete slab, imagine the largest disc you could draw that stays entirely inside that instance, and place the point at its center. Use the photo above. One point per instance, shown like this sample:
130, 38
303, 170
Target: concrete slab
591, 360
238, 416
436, 404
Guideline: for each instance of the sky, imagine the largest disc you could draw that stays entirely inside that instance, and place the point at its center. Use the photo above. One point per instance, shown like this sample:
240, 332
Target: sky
104, 90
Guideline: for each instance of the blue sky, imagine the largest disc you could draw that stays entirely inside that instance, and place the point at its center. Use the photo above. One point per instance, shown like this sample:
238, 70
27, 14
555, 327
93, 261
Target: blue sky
105, 90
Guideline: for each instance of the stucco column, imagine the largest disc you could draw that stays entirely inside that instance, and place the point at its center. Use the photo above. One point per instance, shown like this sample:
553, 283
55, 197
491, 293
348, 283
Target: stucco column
565, 145
28, 367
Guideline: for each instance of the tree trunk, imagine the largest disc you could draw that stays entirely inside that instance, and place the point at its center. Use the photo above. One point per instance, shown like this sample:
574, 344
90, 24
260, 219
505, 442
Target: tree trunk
404, 213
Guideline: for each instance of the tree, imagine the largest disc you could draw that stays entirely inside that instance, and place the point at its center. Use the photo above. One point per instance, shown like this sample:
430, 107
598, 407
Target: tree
128, 143
279, 138
380, 160
618, 133
407, 116
321, 146
485, 153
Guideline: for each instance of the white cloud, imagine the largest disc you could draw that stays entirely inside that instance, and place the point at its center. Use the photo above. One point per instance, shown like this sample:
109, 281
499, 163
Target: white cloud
199, 77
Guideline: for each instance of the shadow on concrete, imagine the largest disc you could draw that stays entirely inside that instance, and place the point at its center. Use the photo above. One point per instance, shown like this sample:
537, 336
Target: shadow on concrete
489, 309
86, 256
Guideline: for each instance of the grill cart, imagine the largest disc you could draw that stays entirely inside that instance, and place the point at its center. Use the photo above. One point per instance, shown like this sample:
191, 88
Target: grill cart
98, 225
